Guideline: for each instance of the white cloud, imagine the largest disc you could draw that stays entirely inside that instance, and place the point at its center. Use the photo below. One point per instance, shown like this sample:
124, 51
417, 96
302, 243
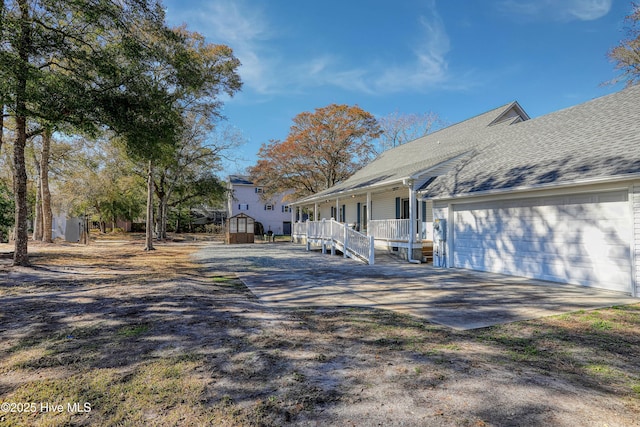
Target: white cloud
430, 66
246, 28
565, 10
427, 68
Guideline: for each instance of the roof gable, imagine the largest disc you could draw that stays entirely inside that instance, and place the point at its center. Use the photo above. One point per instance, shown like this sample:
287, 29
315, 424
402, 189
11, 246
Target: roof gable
422, 154
599, 139
513, 114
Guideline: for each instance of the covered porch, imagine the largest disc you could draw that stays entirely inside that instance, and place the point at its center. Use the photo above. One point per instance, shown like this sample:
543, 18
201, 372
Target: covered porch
390, 219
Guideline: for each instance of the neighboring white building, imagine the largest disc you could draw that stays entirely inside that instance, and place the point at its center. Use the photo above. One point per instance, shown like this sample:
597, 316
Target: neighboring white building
245, 197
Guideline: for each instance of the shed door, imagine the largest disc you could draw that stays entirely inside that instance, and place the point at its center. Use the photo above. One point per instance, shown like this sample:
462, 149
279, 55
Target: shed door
581, 239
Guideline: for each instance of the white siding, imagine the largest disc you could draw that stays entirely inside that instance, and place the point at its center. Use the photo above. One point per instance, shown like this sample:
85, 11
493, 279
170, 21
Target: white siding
351, 205
440, 210
635, 204
246, 195
582, 239
384, 204
429, 217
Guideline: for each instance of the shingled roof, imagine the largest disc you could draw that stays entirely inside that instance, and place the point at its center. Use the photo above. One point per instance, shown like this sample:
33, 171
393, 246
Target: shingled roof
597, 140
424, 153
503, 149
240, 180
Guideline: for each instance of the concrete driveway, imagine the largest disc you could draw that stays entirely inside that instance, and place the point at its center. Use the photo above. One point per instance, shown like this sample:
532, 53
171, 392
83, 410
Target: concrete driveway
285, 275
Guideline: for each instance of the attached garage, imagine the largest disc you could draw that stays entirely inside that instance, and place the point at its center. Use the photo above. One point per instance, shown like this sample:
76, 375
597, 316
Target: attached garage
583, 239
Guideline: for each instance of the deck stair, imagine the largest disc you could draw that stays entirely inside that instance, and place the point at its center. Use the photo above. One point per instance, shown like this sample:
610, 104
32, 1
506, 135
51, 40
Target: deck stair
427, 251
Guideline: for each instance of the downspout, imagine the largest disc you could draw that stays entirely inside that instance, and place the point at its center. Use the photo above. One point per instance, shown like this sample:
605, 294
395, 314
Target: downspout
412, 220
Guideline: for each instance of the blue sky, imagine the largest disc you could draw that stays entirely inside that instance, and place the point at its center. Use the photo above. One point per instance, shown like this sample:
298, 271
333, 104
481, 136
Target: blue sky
456, 58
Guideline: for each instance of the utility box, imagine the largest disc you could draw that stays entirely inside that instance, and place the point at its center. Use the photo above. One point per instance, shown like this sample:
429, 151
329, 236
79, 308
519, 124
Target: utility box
439, 243
240, 229
439, 230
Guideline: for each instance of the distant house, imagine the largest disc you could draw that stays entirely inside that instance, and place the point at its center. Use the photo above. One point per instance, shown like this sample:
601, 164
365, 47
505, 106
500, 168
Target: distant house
244, 197
554, 198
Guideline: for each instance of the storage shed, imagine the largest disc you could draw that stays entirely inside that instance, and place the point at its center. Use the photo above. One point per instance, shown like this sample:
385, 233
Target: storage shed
240, 229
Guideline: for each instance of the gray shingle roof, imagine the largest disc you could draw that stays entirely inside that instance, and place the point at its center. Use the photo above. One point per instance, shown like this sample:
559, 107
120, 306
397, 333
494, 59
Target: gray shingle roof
595, 140
240, 180
498, 151
419, 155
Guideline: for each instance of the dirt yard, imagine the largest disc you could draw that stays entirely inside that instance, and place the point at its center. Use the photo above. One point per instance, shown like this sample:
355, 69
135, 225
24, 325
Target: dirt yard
111, 335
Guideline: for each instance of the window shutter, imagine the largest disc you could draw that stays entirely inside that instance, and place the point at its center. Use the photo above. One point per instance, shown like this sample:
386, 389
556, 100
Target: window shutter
358, 213
424, 211
397, 207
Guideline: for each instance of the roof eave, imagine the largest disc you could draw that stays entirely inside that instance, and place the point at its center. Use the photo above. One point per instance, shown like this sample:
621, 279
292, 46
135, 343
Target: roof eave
349, 192
548, 186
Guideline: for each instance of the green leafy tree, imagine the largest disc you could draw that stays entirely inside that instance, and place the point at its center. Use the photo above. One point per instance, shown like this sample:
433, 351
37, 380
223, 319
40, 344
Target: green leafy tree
96, 178
626, 55
77, 63
187, 176
199, 73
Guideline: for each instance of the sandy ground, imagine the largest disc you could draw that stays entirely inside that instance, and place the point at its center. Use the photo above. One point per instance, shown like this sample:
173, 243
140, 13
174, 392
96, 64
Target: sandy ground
314, 365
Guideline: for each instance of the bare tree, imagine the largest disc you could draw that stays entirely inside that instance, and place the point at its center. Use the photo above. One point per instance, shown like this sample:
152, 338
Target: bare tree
399, 128
627, 54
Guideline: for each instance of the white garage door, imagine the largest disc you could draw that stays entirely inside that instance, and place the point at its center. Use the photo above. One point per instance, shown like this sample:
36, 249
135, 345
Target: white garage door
581, 239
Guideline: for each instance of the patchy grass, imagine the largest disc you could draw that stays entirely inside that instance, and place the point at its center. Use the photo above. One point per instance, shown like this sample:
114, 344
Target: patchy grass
133, 330
150, 338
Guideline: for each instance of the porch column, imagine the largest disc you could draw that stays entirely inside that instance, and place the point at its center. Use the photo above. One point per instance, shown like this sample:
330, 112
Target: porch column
369, 211
412, 218
337, 209
315, 212
293, 221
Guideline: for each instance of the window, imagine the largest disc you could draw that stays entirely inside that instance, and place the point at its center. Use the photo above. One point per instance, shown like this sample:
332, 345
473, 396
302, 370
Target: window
268, 207
286, 208
259, 190
243, 207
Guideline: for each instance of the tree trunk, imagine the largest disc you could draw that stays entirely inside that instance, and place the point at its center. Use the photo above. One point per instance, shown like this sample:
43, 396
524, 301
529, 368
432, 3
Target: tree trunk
20, 255
47, 216
162, 220
149, 225
1, 118
37, 220
163, 199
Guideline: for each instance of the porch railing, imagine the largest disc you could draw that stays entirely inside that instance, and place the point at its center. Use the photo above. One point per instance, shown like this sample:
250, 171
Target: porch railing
330, 232
390, 229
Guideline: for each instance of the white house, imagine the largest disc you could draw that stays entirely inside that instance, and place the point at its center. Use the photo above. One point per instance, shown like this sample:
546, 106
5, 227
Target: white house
245, 197
554, 198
